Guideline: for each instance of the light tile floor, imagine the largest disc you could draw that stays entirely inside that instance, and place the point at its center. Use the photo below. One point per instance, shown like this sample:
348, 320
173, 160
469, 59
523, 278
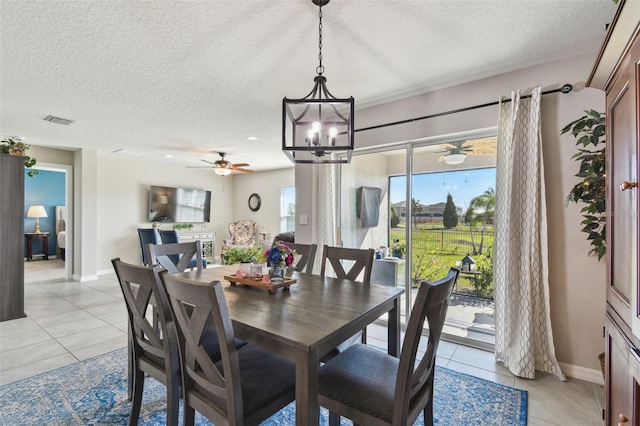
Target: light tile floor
70, 321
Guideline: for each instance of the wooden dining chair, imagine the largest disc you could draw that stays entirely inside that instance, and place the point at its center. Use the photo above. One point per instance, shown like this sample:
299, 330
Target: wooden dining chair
248, 385
170, 236
336, 256
399, 390
153, 348
362, 263
307, 254
176, 257
153, 344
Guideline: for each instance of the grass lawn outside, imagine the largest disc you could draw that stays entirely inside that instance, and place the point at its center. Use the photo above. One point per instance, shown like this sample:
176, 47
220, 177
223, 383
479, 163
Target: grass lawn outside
435, 249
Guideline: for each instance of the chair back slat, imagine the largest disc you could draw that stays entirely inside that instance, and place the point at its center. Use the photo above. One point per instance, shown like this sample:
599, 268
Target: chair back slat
414, 384
137, 284
165, 255
307, 254
362, 262
208, 306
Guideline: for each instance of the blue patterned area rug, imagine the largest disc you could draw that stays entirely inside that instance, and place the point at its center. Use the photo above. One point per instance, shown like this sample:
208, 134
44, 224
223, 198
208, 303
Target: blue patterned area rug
94, 392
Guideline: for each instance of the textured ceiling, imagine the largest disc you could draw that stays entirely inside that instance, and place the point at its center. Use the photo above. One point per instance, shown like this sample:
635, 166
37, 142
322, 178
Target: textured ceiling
192, 77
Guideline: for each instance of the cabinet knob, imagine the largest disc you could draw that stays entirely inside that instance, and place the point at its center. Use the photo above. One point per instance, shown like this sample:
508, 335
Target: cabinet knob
628, 185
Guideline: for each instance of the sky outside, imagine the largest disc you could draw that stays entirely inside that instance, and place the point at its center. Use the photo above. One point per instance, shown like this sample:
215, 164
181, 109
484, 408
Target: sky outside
431, 188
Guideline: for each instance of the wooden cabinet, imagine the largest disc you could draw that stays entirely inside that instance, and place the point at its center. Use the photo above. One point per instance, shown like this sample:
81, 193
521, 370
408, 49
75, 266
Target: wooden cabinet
11, 237
617, 72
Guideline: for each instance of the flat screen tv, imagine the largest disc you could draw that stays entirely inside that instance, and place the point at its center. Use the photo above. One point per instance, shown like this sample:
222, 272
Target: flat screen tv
167, 204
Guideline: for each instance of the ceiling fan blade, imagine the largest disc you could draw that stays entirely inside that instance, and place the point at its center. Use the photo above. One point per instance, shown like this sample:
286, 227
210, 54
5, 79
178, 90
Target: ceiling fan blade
199, 167
209, 162
238, 169
239, 165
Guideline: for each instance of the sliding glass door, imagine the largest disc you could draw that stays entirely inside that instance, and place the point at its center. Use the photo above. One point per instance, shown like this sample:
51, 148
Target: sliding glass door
441, 217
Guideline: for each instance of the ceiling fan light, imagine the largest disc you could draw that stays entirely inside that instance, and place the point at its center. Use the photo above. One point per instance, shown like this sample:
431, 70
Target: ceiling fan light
454, 158
222, 171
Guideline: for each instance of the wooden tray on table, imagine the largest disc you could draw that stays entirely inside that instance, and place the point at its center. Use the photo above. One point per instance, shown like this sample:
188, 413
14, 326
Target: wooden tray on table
257, 282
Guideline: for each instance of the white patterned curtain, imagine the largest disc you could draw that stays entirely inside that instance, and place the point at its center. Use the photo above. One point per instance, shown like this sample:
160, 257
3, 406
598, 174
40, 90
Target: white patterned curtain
324, 209
524, 340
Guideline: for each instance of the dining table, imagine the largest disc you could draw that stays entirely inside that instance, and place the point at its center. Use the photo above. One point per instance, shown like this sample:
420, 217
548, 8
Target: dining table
306, 321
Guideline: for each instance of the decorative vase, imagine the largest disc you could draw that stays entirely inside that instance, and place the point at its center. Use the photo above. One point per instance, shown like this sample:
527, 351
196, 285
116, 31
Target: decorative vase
277, 273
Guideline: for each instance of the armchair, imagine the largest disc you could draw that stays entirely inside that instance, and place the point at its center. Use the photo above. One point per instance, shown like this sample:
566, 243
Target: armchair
241, 234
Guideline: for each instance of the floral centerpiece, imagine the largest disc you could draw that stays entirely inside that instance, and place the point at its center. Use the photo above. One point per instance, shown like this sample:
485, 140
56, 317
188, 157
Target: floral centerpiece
280, 256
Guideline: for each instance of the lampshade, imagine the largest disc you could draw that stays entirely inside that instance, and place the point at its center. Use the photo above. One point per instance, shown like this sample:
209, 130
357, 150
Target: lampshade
162, 199
454, 158
222, 171
319, 127
36, 211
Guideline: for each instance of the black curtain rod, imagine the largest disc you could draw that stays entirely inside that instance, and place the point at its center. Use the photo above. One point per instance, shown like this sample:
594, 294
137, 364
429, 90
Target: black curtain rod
564, 89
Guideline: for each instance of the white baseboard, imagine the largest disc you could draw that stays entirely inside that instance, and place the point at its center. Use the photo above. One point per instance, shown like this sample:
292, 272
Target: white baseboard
106, 271
582, 373
83, 278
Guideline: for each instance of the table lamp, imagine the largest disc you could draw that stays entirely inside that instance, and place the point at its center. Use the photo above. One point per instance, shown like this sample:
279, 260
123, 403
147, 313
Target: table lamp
37, 212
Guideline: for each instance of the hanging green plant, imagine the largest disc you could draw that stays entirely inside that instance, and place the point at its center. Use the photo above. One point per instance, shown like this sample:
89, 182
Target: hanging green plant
590, 130
12, 147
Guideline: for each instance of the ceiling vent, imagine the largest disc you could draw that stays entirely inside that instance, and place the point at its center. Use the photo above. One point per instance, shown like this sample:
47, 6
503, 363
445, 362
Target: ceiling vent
128, 152
57, 120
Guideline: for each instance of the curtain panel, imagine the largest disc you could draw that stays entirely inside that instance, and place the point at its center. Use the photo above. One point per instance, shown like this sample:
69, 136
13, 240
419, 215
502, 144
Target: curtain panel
324, 208
523, 336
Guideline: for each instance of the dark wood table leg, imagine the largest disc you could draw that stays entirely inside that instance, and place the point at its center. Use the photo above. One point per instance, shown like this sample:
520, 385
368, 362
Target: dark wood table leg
29, 248
307, 406
45, 246
393, 329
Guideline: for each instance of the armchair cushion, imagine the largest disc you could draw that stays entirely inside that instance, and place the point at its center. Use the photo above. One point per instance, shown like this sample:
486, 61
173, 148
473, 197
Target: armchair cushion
242, 234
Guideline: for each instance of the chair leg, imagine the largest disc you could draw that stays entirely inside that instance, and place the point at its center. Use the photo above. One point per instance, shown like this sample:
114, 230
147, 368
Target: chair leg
364, 336
189, 415
428, 413
173, 401
129, 370
136, 400
334, 419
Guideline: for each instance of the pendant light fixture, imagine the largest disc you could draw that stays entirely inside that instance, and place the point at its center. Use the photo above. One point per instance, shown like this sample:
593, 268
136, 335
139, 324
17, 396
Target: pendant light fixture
319, 127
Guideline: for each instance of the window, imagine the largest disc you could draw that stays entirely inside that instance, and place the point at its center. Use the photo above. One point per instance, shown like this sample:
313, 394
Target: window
287, 208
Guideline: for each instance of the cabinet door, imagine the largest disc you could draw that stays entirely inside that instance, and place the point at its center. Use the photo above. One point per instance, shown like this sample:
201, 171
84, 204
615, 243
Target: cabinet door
618, 377
622, 206
634, 360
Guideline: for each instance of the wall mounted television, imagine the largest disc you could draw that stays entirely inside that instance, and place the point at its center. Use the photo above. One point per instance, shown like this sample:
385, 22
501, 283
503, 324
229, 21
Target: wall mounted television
167, 204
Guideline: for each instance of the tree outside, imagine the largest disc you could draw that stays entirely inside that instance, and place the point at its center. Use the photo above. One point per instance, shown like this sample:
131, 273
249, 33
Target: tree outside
450, 215
480, 214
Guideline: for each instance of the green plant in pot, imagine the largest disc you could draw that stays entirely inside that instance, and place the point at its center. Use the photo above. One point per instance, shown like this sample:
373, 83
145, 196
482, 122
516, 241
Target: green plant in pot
589, 130
241, 255
11, 146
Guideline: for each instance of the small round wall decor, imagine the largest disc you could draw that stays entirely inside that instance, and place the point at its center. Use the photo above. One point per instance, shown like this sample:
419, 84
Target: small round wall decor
254, 202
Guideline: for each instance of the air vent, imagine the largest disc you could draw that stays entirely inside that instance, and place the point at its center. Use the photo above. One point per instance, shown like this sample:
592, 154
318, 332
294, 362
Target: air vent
57, 120
128, 152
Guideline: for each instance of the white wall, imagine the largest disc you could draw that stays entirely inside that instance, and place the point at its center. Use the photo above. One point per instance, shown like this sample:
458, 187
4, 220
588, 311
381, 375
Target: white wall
123, 185
267, 185
577, 282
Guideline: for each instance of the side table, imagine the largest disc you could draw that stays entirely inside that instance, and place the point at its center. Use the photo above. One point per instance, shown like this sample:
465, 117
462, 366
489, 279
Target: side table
45, 244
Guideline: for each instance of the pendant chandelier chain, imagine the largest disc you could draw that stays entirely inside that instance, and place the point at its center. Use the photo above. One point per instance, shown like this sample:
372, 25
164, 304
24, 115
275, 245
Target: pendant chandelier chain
320, 68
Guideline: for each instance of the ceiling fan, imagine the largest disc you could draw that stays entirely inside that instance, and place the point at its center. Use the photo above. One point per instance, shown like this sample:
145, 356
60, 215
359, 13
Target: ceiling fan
456, 152
223, 167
